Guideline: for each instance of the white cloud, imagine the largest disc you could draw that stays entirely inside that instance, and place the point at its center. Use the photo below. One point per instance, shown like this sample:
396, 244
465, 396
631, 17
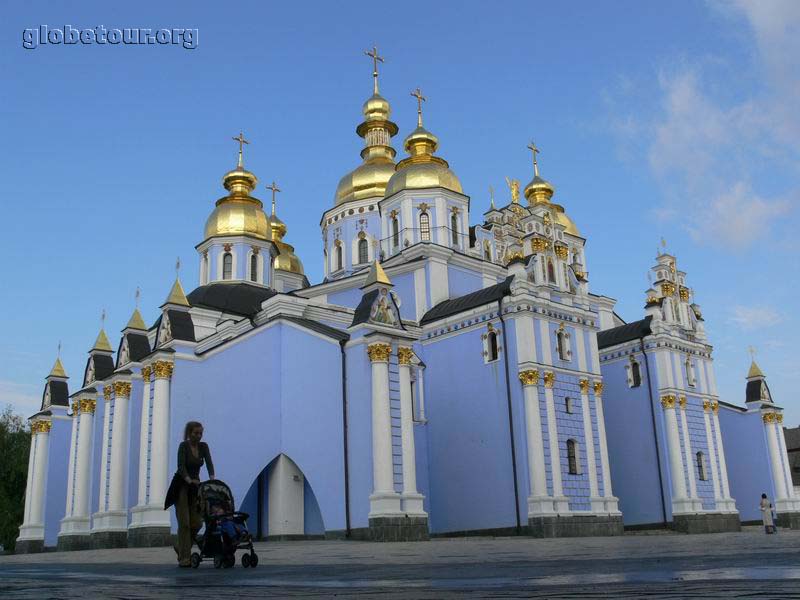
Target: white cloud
750, 318
24, 399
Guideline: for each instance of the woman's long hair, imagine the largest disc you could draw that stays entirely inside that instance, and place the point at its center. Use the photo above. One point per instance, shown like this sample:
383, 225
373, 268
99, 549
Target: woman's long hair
188, 429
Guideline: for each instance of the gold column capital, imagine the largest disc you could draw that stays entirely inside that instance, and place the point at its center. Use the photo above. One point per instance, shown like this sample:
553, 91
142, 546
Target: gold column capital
668, 401
163, 369
146, 371
584, 383
768, 417
76, 406
88, 405
379, 352
40, 426
779, 418
122, 388
107, 390
404, 355
715, 406
706, 405
682, 401
529, 377
549, 379
598, 388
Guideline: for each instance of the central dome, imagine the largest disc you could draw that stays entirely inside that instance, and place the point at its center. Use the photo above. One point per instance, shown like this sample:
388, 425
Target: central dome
421, 169
368, 180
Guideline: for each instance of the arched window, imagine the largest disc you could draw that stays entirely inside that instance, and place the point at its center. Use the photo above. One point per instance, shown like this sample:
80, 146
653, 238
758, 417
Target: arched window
454, 227
425, 227
339, 258
701, 467
690, 379
227, 266
363, 254
254, 267
395, 232
636, 374
561, 344
551, 272
491, 342
572, 457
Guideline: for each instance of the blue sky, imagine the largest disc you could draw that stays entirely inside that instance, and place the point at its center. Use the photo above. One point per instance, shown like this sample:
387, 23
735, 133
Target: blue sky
675, 120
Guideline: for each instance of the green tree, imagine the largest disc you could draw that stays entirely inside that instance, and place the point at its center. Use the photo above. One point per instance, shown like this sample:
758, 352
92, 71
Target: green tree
15, 443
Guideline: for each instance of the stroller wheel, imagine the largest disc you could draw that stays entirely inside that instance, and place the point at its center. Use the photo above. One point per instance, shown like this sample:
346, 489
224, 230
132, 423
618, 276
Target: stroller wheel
253, 559
245, 560
217, 561
195, 560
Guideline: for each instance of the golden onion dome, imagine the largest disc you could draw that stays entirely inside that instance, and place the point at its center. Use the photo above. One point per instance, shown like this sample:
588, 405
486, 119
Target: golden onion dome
376, 108
538, 191
368, 180
277, 227
421, 169
239, 213
563, 219
287, 260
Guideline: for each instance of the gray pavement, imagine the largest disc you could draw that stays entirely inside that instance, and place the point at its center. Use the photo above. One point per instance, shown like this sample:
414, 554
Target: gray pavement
735, 565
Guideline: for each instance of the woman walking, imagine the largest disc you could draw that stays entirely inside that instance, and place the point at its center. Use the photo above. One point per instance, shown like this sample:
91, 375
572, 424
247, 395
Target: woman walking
192, 454
766, 514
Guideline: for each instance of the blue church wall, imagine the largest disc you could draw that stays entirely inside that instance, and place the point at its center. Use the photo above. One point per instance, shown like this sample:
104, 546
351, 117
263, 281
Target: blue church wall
313, 523
349, 298
421, 449
359, 426
461, 281
469, 450
747, 458
55, 493
349, 227
570, 426
631, 448
275, 407
699, 443
404, 288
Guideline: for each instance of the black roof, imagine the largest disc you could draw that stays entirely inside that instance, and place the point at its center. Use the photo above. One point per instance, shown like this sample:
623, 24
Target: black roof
454, 306
792, 437
181, 325
624, 333
753, 391
59, 393
103, 366
238, 298
364, 307
138, 346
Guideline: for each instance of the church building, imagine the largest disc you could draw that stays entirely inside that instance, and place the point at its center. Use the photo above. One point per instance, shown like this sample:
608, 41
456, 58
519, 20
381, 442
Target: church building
444, 378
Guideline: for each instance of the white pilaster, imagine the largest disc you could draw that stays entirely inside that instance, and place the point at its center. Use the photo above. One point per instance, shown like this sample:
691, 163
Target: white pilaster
144, 438
73, 442
611, 501
560, 502
597, 503
412, 499
790, 492
782, 500
384, 501
33, 528
78, 521
680, 502
727, 502
688, 456
103, 504
539, 502
711, 443
117, 507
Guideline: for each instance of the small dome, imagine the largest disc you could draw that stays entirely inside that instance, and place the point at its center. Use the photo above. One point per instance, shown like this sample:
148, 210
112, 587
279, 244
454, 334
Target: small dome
287, 260
277, 227
563, 219
239, 213
376, 108
538, 191
423, 175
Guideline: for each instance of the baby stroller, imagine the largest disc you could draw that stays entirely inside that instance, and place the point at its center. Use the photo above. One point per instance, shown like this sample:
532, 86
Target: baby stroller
225, 529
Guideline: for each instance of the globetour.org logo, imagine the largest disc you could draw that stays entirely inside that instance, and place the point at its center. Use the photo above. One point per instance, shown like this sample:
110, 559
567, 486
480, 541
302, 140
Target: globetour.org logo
100, 35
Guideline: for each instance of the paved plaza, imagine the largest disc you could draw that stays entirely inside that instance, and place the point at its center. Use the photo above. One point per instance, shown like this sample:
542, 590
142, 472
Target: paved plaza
733, 565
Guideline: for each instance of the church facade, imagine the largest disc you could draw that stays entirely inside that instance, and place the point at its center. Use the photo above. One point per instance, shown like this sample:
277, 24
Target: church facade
443, 378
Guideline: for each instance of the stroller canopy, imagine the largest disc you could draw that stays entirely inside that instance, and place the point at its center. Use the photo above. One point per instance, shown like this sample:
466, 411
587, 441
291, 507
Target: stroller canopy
214, 493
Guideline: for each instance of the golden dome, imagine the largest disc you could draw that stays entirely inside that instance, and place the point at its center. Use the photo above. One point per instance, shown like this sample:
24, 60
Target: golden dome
376, 108
287, 260
563, 219
421, 169
277, 227
239, 213
368, 180
538, 191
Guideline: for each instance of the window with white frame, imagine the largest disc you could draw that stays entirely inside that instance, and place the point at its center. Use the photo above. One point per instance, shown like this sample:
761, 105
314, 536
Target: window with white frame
634, 372
690, 376
562, 344
363, 251
491, 344
702, 472
454, 227
254, 267
425, 227
395, 232
339, 259
227, 266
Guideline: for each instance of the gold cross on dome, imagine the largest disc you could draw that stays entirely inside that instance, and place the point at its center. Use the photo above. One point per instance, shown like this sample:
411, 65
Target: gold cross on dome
275, 189
534, 150
177, 266
375, 60
417, 93
242, 142
752, 352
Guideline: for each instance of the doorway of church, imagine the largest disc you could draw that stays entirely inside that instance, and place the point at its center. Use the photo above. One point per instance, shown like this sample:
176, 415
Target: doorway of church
282, 504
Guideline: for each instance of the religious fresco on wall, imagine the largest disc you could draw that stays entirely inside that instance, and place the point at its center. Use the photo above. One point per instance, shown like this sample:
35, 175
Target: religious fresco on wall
384, 311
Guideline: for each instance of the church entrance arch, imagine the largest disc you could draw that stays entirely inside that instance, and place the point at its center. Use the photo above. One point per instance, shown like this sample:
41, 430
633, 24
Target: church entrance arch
282, 504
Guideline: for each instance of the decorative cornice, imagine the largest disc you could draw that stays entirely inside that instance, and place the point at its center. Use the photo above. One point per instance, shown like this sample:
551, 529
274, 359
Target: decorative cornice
379, 352
40, 426
584, 383
88, 406
146, 371
668, 401
404, 355
163, 369
598, 388
529, 377
122, 388
549, 379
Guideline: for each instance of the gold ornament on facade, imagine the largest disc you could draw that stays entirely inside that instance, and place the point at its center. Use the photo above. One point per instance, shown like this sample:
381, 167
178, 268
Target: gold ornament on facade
529, 377
706, 405
539, 244
584, 383
667, 289
682, 401
107, 390
779, 418
88, 405
769, 418
122, 388
514, 255
684, 293
163, 369
40, 427
404, 356
513, 186
668, 401
715, 406
75, 406
549, 379
146, 371
598, 388
561, 251
379, 352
